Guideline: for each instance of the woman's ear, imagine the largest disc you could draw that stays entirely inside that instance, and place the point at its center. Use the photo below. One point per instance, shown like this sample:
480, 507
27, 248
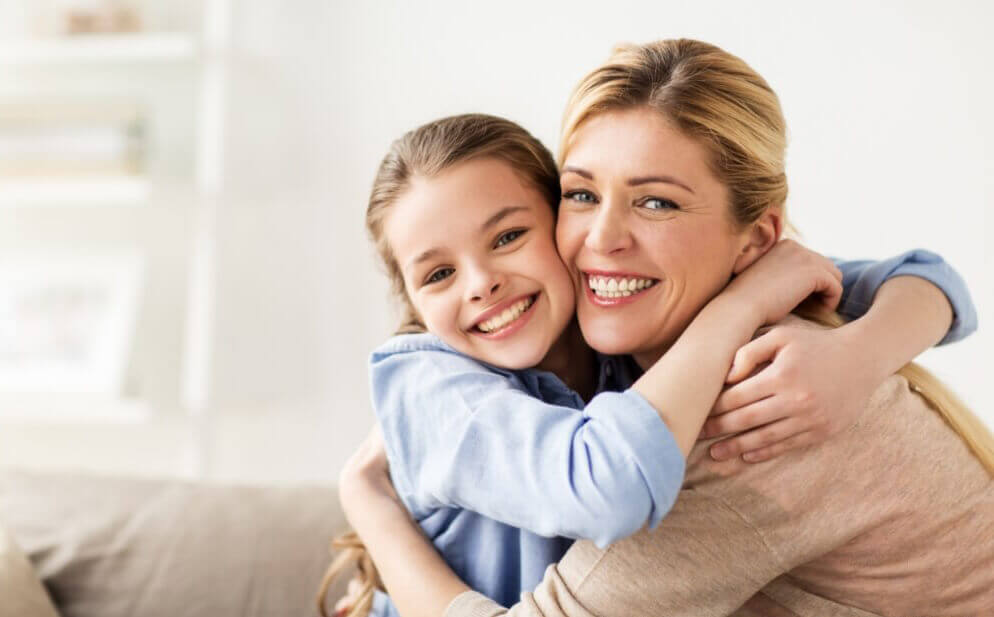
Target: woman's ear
760, 238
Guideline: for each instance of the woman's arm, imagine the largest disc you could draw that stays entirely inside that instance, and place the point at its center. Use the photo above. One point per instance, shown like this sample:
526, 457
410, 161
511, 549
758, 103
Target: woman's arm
419, 580
820, 379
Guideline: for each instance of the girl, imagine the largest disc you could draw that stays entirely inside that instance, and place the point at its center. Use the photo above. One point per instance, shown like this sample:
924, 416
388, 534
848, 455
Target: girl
463, 214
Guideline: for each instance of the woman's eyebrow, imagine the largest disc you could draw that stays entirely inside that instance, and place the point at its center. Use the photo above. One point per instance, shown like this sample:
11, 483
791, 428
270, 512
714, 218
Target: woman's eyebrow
631, 181
578, 171
664, 179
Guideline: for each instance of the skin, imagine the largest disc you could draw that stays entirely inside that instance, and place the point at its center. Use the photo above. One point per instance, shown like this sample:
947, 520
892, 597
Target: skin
610, 230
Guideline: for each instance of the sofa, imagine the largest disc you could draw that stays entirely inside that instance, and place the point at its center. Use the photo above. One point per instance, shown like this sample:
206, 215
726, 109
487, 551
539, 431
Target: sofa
77, 545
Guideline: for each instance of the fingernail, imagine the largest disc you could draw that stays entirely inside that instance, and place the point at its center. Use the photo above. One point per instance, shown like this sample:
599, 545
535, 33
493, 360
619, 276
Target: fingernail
750, 457
719, 452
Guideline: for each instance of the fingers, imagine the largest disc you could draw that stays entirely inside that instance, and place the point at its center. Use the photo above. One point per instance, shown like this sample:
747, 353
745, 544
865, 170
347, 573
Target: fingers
798, 440
756, 439
744, 418
753, 354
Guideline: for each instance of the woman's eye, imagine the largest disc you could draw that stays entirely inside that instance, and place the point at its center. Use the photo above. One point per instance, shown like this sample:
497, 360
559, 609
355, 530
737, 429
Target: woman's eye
580, 196
439, 275
509, 237
657, 203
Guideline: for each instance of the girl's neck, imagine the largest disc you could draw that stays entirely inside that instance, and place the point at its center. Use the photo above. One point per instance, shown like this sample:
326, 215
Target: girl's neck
572, 360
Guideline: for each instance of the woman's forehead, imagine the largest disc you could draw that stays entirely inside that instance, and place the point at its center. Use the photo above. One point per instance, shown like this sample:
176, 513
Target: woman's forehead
637, 142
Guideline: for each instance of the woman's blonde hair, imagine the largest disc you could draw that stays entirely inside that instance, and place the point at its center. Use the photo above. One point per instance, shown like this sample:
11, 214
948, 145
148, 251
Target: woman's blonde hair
719, 100
426, 152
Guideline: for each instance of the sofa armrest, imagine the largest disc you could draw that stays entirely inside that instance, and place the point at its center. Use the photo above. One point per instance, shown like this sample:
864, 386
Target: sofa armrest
111, 547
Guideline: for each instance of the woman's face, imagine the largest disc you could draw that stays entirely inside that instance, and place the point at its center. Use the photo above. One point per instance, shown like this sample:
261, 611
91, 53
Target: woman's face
645, 230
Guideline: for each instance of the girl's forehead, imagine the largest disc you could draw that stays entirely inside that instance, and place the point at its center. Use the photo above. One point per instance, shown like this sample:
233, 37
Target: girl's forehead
458, 206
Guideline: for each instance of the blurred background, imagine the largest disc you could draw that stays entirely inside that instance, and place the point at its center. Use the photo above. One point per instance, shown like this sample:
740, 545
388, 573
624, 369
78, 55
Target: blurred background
186, 288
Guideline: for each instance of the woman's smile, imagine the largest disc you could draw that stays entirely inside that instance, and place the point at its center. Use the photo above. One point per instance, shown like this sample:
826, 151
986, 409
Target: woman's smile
611, 289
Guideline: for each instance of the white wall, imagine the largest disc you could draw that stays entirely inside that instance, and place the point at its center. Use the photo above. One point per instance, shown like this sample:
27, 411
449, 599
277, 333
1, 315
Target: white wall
891, 148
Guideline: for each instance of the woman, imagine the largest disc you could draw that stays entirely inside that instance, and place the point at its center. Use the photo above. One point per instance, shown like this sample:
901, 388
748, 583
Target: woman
832, 528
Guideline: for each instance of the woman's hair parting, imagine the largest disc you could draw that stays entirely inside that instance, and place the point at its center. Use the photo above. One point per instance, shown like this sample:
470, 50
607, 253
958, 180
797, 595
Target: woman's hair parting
426, 152
437, 146
719, 100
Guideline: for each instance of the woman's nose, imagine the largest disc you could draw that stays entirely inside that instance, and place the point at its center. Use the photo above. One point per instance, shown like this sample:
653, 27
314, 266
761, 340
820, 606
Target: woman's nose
609, 232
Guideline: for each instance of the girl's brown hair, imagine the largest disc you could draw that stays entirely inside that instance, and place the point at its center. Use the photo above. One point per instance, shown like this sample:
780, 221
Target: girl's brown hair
719, 100
426, 152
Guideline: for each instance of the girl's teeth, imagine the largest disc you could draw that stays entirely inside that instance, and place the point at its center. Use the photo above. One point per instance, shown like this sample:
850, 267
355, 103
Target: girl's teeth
606, 287
507, 316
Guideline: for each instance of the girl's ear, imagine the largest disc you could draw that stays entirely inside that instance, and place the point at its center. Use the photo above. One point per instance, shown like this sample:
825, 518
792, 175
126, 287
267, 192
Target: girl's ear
760, 238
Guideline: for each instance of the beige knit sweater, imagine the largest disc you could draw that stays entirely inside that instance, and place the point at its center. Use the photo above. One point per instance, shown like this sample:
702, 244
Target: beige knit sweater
894, 517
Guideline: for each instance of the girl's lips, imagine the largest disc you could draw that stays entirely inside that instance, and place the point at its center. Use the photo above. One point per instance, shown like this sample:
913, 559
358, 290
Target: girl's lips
510, 328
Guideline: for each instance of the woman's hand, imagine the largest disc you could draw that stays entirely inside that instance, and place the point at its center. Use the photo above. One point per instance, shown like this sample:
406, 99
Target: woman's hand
366, 474
783, 278
346, 602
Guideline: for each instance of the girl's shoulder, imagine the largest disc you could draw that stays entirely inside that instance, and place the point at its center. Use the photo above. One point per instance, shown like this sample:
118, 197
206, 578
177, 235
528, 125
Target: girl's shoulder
410, 343
426, 348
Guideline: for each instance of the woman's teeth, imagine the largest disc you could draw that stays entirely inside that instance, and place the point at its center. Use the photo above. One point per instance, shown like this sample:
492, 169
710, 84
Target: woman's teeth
510, 314
611, 287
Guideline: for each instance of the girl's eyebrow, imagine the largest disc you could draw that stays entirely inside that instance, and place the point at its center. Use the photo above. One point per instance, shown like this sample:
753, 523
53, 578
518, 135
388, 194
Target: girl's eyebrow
490, 222
500, 215
632, 181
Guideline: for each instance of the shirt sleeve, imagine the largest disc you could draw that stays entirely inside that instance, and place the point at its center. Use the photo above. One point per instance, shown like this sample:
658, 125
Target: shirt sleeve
862, 279
382, 605
459, 435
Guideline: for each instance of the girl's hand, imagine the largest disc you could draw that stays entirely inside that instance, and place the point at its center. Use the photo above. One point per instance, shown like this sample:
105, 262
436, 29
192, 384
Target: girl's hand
783, 278
811, 384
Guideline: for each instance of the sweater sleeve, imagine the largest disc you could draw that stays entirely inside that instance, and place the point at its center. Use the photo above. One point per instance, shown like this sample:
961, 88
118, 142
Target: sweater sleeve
862, 279
460, 435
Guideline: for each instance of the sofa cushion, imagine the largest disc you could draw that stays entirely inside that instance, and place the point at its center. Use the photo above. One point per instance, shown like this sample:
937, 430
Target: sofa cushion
22, 592
112, 547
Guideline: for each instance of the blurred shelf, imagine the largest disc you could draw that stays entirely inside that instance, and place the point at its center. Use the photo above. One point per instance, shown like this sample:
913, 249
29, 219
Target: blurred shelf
112, 190
71, 409
99, 48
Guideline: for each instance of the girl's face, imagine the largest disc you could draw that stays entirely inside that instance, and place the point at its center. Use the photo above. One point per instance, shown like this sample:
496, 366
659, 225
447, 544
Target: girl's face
475, 245
645, 229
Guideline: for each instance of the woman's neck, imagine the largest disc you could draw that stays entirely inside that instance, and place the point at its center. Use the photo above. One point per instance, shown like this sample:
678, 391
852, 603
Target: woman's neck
572, 360
645, 359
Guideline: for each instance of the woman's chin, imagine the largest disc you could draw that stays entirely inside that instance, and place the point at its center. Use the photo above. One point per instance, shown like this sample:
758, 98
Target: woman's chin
603, 340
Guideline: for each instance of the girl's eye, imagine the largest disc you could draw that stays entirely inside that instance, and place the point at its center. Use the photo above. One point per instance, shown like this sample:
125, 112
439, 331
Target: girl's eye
508, 237
581, 196
658, 203
439, 275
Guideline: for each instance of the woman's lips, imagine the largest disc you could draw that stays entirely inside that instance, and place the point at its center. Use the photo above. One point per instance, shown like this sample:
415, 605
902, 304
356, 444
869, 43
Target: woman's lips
611, 289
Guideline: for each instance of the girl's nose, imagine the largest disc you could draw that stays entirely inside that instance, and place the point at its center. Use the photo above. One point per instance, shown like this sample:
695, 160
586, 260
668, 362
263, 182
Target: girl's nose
484, 284
609, 232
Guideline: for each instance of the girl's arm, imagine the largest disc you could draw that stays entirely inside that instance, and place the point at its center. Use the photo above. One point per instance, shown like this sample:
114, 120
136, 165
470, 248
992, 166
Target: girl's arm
460, 435
819, 380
